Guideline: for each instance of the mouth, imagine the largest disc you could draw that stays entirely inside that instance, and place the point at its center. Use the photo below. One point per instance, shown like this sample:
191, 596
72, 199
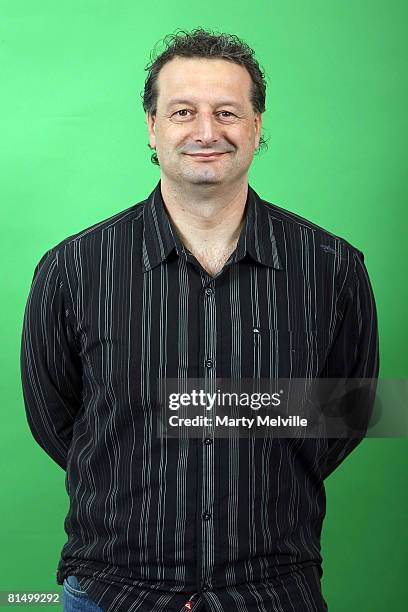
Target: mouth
204, 156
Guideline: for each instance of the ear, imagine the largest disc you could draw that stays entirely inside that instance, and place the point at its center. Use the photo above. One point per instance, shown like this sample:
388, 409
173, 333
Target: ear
258, 128
151, 125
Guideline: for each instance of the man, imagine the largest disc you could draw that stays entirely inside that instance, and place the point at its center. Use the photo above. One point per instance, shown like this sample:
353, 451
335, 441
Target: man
203, 279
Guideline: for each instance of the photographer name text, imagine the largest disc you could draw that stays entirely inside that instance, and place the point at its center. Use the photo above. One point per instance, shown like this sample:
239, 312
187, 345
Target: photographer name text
248, 422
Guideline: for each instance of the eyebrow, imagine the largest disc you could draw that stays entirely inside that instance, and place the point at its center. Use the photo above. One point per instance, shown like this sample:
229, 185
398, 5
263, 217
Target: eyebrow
185, 101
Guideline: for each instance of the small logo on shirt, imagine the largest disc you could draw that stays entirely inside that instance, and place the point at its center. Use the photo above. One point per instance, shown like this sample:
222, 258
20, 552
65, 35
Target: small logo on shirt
188, 605
328, 249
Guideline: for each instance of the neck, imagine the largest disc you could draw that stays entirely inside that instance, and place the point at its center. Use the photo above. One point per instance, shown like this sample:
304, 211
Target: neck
206, 216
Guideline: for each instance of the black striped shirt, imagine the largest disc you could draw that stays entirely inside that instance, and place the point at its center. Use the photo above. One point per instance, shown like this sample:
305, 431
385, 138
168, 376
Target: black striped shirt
229, 524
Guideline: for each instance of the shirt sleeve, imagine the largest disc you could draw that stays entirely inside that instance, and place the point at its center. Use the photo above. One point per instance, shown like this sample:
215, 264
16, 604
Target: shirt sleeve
50, 365
354, 354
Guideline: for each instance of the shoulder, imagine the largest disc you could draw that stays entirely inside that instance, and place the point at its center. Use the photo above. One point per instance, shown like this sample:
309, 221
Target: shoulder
65, 252
90, 233
297, 227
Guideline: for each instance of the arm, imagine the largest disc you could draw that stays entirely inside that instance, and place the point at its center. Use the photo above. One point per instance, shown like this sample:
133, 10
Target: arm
51, 373
354, 354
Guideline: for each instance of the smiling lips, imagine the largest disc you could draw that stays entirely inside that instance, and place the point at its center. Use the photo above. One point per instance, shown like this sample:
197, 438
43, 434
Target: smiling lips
205, 155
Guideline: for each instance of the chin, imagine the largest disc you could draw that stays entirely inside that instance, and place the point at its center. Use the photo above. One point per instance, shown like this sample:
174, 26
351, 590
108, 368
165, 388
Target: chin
203, 178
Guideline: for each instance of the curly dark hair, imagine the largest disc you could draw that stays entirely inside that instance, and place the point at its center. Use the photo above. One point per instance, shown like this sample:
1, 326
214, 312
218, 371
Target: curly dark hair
208, 44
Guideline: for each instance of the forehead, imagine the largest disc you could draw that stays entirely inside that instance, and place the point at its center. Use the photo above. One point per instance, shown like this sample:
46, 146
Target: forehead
198, 77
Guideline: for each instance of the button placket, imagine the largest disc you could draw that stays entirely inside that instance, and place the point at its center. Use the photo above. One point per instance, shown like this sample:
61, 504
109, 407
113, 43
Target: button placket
207, 494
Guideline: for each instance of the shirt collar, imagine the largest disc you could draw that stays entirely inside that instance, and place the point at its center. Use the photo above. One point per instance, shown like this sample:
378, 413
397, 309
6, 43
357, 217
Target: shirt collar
160, 238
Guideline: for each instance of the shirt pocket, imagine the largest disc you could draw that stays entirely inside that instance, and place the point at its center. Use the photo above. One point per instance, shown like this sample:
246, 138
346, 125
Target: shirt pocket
286, 353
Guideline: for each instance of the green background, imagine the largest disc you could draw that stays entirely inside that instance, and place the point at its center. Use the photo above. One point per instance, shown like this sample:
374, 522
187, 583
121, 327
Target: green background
74, 151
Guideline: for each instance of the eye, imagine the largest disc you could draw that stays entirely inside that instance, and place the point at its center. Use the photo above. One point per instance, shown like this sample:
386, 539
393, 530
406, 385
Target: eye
182, 110
183, 113
227, 117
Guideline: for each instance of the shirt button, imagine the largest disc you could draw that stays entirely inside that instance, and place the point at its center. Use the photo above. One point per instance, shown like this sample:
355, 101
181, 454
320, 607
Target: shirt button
205, 587
206, 516
209, 363
208, 291
208, 441
255, 330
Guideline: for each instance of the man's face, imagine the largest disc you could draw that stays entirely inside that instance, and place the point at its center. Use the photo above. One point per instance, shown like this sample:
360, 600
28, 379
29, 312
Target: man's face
204, 106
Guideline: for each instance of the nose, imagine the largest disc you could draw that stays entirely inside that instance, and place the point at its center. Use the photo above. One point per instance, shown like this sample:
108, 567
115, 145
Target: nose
205, 129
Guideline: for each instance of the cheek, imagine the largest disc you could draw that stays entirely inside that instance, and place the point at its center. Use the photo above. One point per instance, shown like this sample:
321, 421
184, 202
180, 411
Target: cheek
247, 138
247, 146
173, 143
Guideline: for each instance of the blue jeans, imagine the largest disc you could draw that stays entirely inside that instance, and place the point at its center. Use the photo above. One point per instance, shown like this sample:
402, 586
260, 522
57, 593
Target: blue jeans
75, 598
